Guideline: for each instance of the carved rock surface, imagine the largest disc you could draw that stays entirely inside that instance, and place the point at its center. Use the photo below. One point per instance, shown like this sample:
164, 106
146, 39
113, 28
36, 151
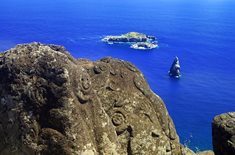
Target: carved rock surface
223, 133
51, 103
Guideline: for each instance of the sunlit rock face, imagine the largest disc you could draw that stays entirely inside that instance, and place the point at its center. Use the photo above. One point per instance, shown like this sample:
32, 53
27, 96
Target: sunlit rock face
53, 104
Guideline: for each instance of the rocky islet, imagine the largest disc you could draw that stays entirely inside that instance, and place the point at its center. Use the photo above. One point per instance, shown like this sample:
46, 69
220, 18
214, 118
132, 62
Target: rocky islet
137, 40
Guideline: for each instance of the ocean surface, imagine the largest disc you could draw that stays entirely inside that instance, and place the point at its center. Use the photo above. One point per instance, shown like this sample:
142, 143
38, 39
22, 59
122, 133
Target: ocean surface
200, 32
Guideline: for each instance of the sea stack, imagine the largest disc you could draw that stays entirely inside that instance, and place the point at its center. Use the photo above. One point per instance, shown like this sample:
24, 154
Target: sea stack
175, 68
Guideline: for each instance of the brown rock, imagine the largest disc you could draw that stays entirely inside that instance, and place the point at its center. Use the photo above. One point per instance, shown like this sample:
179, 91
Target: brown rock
51, 103
206, 153
223, 133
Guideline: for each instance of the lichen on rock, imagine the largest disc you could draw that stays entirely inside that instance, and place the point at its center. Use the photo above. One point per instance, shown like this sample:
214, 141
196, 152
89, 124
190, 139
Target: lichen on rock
51, 103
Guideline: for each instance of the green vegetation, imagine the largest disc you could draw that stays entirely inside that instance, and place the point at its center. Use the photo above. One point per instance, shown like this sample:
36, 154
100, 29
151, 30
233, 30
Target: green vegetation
134, 35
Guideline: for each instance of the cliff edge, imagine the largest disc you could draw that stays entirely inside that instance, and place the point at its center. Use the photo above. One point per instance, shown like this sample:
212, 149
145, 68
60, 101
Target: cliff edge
53, 104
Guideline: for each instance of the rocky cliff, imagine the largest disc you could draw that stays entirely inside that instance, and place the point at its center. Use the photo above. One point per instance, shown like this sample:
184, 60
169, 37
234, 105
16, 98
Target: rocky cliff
53, 104
223, 132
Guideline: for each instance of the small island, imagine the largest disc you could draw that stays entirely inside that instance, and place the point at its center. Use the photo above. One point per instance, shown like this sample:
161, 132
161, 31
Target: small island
137, 40
144, 45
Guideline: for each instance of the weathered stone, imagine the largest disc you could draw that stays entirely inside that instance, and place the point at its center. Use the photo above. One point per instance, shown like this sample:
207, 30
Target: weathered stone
187, 151
206, 153
223, 133
51, 103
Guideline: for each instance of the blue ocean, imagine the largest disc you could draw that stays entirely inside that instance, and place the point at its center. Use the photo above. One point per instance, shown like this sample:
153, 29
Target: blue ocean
200, 32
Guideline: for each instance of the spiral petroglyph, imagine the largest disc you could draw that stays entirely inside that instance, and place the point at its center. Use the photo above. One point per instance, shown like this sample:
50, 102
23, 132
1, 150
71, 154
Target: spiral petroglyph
118, 118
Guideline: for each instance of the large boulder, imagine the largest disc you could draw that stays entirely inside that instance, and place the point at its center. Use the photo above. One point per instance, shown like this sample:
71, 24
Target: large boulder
53, 104
223, 133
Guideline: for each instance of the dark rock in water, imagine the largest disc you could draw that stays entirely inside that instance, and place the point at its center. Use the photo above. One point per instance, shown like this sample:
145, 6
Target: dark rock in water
53, 104
175, 68
223, 133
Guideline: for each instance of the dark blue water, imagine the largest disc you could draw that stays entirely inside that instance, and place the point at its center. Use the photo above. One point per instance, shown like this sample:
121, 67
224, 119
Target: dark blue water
200, 32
